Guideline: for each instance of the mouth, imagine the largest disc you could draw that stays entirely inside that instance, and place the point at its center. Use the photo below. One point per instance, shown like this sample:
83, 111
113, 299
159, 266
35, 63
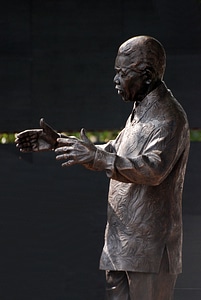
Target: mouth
119, 90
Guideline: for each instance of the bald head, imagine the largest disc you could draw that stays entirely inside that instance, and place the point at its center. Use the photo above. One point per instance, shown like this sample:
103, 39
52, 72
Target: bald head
145, 54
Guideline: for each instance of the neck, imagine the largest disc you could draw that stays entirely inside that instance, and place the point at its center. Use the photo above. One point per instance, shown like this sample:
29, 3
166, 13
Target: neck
148, 88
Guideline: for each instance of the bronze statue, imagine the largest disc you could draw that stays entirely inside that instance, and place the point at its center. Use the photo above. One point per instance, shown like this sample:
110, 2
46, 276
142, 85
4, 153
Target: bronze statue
146, 163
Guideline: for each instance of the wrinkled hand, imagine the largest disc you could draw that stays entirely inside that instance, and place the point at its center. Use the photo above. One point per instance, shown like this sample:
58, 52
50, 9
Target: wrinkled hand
34, 140
75, 151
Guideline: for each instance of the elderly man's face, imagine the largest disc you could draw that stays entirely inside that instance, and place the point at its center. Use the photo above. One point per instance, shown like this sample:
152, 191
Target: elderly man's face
129, 83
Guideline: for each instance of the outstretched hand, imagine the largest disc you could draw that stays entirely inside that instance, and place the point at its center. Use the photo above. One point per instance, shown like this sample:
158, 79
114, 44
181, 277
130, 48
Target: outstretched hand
75, 151
34, 140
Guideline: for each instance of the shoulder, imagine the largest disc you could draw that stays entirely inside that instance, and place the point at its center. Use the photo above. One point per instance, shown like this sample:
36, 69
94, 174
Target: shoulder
166, 108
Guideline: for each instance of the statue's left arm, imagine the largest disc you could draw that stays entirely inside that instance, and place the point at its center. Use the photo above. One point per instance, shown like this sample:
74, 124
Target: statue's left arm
156, 161
152, 165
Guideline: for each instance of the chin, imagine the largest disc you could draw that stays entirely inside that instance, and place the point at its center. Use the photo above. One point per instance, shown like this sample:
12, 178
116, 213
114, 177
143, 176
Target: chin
127, 100
124, 98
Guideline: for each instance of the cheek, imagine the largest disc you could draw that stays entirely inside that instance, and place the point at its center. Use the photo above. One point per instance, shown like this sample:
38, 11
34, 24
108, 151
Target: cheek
125, 84
135, 85
131, 86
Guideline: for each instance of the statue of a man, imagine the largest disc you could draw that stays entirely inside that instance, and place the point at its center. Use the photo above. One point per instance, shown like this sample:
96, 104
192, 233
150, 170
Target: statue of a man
146, 163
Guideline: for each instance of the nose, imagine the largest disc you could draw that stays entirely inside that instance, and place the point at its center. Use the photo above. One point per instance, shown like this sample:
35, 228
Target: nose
116, 79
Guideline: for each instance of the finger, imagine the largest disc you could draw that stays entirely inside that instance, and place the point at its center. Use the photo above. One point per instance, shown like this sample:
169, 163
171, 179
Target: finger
44, 125
35, 147
17, 141
25, 134
66, 141
27, 142
27, 148
63, 149
22, 134
24, 150
24, 145
47, 128
68, 163
42, 122
84, 137
63, 156
68, 159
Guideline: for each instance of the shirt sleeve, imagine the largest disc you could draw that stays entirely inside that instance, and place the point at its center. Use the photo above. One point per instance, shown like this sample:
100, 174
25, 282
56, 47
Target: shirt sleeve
159, 155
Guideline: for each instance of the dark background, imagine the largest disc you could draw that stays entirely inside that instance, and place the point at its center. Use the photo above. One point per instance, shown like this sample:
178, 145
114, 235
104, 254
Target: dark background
57, 62
57, 59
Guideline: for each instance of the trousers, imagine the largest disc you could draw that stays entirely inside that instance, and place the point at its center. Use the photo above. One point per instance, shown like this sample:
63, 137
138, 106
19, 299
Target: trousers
126, 285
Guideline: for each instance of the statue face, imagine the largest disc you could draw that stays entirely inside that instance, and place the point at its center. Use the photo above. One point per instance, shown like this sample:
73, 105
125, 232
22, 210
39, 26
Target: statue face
129, 82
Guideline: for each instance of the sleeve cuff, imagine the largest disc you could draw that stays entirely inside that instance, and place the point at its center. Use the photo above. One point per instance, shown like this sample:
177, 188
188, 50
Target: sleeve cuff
104, 161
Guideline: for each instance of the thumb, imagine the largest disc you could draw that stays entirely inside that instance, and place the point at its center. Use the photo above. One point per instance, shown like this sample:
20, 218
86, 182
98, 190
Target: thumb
46, 128
84, 137
43, 124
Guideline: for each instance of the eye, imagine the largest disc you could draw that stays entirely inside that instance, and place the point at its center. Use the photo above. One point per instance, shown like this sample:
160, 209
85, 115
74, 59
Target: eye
122, 74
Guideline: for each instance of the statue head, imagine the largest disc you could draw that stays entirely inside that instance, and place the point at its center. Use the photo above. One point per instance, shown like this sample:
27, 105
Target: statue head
145, 52
140, 60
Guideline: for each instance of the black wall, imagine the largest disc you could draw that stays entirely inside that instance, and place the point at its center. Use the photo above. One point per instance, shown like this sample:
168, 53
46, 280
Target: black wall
57, 59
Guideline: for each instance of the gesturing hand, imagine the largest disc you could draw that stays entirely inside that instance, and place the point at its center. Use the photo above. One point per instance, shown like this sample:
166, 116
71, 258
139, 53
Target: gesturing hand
34, 140
75, 151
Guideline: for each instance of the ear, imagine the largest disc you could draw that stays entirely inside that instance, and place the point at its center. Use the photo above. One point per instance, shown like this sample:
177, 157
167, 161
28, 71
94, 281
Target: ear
148, 76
